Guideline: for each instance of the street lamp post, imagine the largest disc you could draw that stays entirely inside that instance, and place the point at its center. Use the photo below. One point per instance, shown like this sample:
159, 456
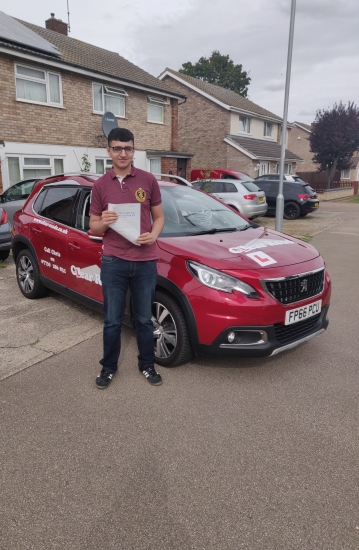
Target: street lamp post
280, 197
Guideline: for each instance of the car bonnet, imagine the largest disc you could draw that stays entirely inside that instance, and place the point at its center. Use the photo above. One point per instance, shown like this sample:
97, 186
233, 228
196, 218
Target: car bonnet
251, 249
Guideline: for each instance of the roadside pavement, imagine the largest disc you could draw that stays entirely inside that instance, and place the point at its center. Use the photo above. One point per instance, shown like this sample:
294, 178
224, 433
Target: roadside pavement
227, 454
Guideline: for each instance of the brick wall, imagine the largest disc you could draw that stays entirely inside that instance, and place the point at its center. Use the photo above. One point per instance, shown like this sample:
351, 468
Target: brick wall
202, 126
75, 124
239, 161
298, 143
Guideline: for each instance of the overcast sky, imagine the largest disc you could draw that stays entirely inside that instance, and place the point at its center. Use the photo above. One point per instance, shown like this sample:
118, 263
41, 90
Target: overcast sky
155, 34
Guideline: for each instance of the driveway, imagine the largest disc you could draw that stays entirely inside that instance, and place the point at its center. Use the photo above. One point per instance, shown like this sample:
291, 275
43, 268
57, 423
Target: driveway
228, 454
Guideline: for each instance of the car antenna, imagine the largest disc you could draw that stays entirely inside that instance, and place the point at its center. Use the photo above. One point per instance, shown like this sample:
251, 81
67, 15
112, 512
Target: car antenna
77, 160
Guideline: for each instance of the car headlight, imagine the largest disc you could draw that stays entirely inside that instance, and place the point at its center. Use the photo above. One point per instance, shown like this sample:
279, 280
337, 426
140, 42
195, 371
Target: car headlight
219, 281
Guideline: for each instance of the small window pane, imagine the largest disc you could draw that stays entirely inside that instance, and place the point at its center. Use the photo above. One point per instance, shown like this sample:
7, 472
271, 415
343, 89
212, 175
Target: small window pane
36, 173
32, 91
14, 169
155, 166
115, 105
54, 81
244, 124
154, 113
97, 97
30, 161
99, 166
59, 166
57, 205
32, 73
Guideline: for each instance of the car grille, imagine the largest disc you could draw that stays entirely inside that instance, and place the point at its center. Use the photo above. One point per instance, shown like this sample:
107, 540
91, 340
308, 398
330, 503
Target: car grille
286, 334
297, 288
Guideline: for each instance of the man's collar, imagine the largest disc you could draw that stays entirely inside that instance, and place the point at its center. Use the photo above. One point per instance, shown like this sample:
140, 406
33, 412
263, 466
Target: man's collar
113, 174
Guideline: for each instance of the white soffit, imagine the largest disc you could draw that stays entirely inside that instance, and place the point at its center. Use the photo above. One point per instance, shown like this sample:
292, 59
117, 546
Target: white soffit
12, 30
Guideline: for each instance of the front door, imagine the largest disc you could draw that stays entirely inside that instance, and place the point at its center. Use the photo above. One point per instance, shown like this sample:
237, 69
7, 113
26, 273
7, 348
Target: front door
181, 167
263, 168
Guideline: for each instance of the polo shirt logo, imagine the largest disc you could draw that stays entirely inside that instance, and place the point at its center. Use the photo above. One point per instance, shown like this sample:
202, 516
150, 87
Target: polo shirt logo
140, 195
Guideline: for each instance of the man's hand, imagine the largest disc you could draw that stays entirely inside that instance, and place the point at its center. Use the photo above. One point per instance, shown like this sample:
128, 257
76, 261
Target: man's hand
146, 238
108, 217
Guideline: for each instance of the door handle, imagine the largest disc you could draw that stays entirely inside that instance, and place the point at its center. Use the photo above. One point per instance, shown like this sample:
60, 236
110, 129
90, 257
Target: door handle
74, 246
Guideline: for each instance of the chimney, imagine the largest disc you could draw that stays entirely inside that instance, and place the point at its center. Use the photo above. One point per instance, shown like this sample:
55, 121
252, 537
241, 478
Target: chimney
56, 25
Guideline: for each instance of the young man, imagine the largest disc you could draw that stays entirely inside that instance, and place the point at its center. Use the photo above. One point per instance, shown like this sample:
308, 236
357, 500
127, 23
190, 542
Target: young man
126, 265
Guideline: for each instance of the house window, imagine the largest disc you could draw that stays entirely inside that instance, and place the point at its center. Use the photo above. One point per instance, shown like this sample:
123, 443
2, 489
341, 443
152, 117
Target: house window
268, 129
103, 165
244, 124
155, 110
346, 174
107, 98
26, 167
38, 86
287, 168
155, 166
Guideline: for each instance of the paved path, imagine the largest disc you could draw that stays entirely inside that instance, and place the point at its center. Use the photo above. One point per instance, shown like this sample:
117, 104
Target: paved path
225, 455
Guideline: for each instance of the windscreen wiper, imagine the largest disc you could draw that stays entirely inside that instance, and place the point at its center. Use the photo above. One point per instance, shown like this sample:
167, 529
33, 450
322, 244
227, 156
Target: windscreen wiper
214, 230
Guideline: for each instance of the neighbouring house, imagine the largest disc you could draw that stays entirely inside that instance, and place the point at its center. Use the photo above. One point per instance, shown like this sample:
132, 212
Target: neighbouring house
225, 130
298, 142
54, 91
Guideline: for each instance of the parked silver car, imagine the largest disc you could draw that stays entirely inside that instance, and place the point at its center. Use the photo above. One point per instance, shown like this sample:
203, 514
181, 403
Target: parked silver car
13, 199
244, 196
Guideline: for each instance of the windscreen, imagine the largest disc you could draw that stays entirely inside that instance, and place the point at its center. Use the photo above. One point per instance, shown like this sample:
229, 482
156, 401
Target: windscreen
188, 211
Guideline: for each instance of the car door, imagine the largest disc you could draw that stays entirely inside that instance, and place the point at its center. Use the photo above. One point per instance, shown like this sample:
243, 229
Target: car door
83, 254
266, 187
49, 230
14, 198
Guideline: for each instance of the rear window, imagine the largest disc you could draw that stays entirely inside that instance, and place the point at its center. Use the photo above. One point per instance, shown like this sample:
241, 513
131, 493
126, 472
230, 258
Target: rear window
250, 186
309, 190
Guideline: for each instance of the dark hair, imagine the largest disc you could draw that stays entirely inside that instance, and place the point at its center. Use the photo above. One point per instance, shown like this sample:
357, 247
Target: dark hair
120, 134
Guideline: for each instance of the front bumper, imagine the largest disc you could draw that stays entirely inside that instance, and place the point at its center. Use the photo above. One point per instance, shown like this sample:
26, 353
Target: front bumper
263, 341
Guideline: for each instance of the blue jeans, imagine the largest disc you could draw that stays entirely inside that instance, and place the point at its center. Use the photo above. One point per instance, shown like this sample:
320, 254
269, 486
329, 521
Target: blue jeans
117, 277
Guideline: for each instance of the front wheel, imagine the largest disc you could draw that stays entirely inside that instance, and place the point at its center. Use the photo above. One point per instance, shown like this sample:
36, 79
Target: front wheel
28, 276
171, 340
291, 211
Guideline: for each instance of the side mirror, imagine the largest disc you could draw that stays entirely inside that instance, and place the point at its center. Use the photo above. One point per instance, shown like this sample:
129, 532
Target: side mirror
93, 237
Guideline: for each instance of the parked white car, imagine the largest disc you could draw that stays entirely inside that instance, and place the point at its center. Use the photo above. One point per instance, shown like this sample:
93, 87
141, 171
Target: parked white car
244, 196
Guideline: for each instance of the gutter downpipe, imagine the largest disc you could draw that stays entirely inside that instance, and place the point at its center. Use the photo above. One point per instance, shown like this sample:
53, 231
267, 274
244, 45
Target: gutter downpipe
280, 197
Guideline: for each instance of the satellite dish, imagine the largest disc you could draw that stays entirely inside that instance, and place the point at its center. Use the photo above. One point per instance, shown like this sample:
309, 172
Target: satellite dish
109, 122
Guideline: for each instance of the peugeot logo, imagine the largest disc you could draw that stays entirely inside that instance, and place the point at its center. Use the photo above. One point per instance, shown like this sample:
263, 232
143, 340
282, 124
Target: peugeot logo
304, 285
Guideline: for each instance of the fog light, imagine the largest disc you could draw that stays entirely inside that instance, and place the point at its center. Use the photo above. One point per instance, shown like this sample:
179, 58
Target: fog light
231, 336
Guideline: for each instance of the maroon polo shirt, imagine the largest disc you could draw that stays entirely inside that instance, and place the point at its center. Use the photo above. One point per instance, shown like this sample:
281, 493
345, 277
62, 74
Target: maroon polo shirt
138, 186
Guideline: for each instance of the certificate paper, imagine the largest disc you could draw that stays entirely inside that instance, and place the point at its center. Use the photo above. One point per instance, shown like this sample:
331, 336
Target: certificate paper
128, 223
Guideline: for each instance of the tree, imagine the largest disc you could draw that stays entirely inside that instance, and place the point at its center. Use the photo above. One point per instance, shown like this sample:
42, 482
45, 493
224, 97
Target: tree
334, 138
219, 69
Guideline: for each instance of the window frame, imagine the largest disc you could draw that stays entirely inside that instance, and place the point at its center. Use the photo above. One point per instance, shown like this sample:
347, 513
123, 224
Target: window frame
23, 166
106, 161
248, 122
342, 176
46, 82
159, 102
116, 92
267, 125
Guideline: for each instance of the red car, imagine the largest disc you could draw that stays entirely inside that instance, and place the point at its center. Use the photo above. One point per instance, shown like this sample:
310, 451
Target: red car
226, 286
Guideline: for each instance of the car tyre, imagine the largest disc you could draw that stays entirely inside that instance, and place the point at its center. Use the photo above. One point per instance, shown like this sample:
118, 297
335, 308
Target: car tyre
171, 340
4, 254
28, 276
291, 211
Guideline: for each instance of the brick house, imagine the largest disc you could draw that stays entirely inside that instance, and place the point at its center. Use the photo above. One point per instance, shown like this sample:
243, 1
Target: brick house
225, 130
298, 142
54, 92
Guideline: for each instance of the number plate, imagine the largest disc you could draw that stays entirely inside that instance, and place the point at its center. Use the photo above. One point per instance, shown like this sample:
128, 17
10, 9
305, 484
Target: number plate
260, 199
302, 313
316, 204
